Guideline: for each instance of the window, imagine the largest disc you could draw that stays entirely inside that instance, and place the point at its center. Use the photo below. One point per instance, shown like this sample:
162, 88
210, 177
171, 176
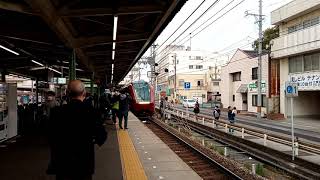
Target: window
200, 82
233, 98
295, 64
311, 22
254, 73
181, 82
295, 28
190, 66
199, 66
263, 100
192, 58
236, 76
311, 62
304, 25
215, 83
198, 58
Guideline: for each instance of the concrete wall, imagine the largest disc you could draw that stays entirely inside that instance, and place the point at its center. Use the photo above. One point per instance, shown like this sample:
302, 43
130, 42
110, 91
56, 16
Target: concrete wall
194, 90
293, 9
240, 62
284, 71
306, 105
303, 40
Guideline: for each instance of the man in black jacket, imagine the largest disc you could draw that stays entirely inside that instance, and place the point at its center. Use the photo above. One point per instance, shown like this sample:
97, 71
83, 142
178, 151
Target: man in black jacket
124, 103
73, 130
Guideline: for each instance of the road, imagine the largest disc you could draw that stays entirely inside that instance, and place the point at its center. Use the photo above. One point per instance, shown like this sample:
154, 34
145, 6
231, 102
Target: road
282, 128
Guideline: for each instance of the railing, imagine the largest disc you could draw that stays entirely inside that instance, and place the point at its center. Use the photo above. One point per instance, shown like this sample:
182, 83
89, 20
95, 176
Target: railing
306, 146
297, 42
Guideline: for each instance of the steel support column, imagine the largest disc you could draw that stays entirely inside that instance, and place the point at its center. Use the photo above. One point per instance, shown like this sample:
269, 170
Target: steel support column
3, 75
72, 66
92, 84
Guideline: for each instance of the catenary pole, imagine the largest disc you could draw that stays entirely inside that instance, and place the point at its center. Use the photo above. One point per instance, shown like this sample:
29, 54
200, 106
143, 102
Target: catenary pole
259, 61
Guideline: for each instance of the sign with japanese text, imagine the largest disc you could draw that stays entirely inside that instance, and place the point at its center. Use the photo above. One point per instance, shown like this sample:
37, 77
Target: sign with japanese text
252, 87
306, 81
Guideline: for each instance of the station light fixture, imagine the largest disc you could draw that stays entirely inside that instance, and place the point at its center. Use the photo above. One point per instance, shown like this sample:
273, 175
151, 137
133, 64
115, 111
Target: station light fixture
115, 24
114, 46
36, 62
113, 54
77, 69
9, 50
55, 70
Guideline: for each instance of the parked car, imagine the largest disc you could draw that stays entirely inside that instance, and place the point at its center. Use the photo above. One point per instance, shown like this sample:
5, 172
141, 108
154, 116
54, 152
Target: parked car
190, 103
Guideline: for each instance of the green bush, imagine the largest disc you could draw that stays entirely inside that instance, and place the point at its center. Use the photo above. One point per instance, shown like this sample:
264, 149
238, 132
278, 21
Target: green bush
260, 170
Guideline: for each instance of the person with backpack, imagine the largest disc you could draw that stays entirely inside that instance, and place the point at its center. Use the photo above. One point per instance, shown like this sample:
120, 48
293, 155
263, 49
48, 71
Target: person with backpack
124, 103
115, 107
216, 114
231, 117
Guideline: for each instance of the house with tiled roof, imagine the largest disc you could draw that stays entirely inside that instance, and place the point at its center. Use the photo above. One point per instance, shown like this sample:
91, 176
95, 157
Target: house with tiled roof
239, 81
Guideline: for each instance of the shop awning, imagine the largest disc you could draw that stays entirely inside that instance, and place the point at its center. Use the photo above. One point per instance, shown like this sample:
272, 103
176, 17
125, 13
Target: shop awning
243, 88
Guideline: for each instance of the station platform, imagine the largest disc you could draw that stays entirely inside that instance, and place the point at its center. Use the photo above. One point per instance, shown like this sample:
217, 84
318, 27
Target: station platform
133, 154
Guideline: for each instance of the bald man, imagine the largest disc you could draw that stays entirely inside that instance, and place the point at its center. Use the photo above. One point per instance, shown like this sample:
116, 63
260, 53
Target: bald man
73, 130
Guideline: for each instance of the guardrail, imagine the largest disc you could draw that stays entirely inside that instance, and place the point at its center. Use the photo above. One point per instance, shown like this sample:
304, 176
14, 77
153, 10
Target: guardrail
298, 145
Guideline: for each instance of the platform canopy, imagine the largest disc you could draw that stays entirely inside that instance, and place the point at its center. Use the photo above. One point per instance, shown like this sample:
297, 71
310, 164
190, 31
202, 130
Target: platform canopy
47, 31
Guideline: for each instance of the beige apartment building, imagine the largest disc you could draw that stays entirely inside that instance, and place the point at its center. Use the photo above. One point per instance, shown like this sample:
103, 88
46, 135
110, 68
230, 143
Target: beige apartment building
239, 82
298, 52
183, 65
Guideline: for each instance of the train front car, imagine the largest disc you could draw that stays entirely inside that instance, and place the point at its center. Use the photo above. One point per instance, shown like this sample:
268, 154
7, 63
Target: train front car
142, 94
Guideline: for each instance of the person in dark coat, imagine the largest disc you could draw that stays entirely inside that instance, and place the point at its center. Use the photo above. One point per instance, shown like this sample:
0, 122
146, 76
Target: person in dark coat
74, 128
124, 101
231, 117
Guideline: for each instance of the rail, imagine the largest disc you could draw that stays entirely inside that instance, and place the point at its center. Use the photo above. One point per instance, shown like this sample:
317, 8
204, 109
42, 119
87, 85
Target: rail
299, 145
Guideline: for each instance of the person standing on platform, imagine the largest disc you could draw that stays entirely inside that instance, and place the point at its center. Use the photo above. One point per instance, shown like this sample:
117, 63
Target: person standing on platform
196, 109
231, 117
115, 106
73, 130
50, 103
124, 102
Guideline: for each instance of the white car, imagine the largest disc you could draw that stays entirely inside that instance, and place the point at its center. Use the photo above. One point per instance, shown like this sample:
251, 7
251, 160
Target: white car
190, 103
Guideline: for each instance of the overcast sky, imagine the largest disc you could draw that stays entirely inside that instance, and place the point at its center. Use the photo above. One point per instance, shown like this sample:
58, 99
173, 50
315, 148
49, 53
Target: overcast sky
229, 32
229, 29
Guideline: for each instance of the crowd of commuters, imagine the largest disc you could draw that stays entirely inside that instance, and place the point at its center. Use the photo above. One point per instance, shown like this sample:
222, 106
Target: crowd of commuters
73, 124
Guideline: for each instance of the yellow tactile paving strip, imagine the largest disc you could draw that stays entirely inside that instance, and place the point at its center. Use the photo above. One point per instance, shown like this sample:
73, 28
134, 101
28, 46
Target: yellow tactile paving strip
132, 167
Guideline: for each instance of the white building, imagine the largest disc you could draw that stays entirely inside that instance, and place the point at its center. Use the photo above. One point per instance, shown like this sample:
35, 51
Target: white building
191, 66
238, 81
298, 52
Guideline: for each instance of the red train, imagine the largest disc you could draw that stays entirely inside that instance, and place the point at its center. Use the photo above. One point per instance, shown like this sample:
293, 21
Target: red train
143, 97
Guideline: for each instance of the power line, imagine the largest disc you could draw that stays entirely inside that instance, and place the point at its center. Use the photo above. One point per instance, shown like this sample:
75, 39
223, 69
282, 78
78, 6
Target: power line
213, 4
181, 24
205, 27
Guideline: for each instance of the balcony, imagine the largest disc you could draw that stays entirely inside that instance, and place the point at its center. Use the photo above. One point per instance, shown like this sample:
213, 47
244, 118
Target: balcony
298, 42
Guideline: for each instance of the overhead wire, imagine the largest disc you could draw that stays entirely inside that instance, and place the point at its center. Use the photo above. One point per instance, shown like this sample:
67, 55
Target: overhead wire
172, 49
213, 4
181, 25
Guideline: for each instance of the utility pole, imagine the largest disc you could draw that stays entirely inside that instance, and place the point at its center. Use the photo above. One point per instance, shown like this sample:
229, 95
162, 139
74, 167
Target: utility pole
259, 18
190, 40
175, 76
259, 61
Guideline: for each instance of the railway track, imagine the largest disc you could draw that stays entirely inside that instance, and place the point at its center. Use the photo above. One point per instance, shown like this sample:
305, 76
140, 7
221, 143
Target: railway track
205, 166
299, 169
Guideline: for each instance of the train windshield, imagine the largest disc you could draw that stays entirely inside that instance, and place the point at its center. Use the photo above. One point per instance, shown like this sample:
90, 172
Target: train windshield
142, 91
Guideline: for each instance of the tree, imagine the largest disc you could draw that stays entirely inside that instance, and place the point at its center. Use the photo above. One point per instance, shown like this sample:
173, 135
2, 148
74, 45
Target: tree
268, 35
